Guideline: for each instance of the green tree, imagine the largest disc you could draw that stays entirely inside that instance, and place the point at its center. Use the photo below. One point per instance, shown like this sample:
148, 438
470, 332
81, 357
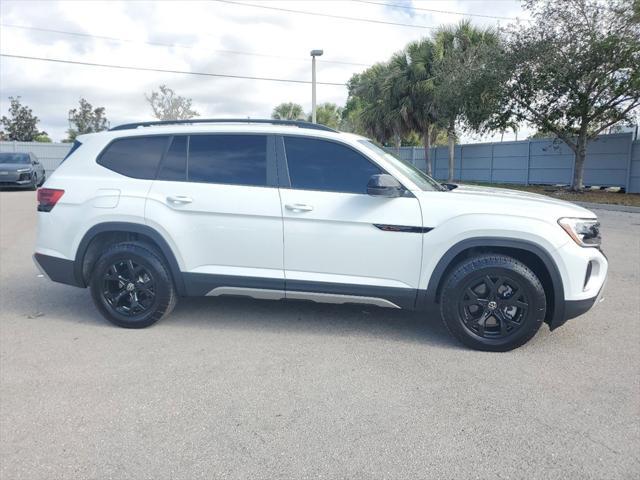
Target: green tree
43, 138
21, 125
573, 71
288, 111
370, 98
328, 114
86, 119
462, 53
412, 92
166, 105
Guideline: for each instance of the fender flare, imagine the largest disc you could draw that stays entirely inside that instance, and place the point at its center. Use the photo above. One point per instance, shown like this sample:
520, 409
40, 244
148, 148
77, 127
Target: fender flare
428, 297
128, 227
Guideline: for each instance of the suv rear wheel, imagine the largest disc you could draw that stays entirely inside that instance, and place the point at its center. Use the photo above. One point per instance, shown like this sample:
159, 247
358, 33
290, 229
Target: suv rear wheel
493, 302
131, 286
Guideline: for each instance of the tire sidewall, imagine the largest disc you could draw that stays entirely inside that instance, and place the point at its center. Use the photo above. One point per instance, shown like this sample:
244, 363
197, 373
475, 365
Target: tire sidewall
493, 265
162, 281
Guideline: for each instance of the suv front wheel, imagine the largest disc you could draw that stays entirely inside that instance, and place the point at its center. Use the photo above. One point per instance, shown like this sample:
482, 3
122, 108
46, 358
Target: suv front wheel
493, 302
131, 286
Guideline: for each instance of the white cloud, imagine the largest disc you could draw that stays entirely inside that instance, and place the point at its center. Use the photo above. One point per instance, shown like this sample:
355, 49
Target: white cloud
206, 28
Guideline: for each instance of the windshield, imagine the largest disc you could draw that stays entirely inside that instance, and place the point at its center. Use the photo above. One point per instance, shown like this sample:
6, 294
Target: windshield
6, 158
421, 179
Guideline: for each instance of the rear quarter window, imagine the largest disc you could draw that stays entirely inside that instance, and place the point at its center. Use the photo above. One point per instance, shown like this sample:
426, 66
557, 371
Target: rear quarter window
135, 157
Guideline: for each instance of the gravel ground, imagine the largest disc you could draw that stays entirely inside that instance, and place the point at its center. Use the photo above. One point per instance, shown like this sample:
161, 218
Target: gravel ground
229, 388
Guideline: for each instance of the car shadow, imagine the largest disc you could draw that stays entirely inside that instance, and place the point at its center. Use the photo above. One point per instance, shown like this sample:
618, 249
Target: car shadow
74, 305
310, 317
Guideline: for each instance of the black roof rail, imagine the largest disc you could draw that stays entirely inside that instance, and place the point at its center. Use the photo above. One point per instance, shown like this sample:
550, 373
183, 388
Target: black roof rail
293, 123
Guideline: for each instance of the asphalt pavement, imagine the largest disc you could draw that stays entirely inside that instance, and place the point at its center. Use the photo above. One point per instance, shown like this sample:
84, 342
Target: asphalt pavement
242, 389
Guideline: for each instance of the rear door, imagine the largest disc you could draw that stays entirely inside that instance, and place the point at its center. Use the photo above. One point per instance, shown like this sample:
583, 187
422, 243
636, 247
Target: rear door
337, 239
216, 200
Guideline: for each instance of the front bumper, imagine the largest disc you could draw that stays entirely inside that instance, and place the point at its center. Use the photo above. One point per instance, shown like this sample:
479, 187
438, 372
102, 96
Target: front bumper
575, 308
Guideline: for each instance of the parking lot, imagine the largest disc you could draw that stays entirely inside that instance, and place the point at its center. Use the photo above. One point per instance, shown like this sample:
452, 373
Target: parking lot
231, 388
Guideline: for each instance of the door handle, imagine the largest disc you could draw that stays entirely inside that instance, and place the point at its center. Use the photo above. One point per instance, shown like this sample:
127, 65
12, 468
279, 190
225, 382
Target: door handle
298, 207
179, 199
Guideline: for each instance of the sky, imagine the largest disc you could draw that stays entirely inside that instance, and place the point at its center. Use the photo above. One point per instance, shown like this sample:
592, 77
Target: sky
254, 38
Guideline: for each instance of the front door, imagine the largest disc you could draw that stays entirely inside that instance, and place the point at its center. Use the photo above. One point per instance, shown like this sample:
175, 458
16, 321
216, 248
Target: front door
339, 242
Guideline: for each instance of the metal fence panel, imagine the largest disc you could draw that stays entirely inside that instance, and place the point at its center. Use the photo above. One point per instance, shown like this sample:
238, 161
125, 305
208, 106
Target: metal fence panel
612, 160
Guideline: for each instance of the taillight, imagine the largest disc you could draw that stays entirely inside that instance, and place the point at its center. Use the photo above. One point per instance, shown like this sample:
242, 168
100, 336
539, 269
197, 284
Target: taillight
47, 198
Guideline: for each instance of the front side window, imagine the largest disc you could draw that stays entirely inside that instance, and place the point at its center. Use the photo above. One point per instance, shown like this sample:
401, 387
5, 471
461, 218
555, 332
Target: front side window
135, 157
316, 164
228, 159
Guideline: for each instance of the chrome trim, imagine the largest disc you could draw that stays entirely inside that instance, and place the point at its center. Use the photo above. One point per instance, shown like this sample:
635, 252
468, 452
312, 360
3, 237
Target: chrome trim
259, 293
337, 298
268, 294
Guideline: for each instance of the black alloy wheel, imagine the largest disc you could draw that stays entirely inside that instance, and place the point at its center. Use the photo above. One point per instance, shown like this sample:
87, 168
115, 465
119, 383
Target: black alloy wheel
492, 302
493, 306
128, 288
131, 285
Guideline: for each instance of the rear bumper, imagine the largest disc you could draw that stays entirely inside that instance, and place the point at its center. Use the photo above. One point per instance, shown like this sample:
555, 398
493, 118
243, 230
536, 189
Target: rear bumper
57, 269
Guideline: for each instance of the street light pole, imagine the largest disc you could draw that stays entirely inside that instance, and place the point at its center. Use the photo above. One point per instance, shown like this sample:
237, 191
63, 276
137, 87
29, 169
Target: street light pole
314, 54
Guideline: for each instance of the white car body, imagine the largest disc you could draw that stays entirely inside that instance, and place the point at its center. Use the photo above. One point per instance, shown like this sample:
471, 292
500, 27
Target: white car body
275, 242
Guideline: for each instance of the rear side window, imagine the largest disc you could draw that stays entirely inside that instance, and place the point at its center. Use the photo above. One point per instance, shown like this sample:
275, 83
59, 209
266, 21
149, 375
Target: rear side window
136, 157
174, 165
228, 159
327, 166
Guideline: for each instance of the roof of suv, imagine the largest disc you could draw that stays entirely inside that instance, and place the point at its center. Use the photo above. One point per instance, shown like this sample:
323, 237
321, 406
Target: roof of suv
172, 129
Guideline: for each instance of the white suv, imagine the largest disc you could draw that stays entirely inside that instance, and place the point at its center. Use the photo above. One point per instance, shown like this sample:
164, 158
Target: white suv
269, 209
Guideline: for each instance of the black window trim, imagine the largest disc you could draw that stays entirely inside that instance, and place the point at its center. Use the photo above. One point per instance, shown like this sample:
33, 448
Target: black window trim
283, 166
272, 165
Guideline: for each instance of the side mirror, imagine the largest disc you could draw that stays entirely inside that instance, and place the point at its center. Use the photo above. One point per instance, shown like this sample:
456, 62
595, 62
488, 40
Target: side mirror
384, 185
449, 186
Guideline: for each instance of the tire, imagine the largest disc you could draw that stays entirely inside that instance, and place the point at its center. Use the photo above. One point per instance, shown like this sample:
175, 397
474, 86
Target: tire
492, 302
44, 177
34, 182
131, 285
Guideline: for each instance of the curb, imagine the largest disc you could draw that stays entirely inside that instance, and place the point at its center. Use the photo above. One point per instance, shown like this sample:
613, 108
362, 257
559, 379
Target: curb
610, 207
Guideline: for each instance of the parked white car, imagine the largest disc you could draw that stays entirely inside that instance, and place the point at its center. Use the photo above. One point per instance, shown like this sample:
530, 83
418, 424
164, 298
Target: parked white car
269, 209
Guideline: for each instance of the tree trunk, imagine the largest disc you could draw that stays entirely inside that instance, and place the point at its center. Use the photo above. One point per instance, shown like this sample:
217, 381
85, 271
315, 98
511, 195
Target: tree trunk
398, 144
427, 153
578, 172
451, 136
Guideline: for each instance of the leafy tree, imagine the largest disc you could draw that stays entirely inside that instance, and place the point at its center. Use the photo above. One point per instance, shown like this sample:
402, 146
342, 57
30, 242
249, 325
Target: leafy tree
328, 114
21, 125
166, 105
462, 53
43, 138
412, 91
377, 116
288, 111
573, 71
86, 119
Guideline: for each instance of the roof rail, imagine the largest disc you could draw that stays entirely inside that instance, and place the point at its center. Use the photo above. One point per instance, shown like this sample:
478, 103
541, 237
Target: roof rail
293, 123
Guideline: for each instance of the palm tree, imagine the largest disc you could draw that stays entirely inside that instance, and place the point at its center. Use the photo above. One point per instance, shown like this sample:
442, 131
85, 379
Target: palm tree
412, 87
328, 114
460, 53
369, 92
288, 111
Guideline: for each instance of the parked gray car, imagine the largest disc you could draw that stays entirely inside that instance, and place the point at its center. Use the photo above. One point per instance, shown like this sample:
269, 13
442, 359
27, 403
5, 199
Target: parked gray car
21, 170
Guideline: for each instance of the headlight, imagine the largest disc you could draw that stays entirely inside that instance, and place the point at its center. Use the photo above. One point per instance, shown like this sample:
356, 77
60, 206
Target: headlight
22, 170
585, 232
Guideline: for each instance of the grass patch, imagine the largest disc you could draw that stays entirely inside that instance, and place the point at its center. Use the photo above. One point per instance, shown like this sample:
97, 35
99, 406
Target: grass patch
592, 196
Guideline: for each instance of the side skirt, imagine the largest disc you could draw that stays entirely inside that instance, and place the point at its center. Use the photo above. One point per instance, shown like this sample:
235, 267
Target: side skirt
198, 284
